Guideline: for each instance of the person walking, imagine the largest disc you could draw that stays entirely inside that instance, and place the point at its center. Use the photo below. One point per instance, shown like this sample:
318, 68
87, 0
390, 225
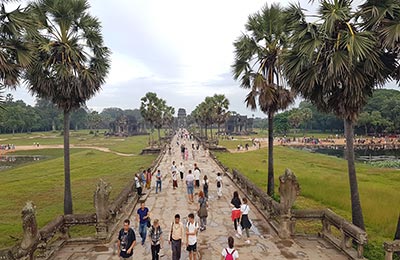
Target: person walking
158, 180
205, 186
155, 233
236, 203
148, 178
126, 241
186, 154
219, 185
202, 211
191, 237
176, 237
143, 178
244, 219
174, 180
138, 185
230, 252
143, 216
196, 174
181, 170
190, 186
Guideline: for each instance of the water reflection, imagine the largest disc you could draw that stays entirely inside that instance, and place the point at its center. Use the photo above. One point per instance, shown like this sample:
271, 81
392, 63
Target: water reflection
8, 161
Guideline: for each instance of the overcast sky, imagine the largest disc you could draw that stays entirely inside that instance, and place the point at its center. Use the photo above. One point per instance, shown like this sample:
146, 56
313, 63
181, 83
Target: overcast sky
180, 49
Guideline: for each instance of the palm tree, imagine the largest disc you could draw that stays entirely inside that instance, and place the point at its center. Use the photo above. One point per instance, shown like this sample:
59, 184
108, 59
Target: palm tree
15, 51
336, 65
383, 18
71, 63
150, 111
221, 105
258, 66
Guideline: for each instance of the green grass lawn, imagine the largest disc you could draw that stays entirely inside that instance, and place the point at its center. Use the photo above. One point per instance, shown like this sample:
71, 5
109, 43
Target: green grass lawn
42, 181
132, 144
324, 183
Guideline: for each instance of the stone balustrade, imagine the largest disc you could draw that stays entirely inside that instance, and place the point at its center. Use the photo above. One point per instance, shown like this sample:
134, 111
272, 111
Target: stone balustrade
283, 219
391, 248
104, 220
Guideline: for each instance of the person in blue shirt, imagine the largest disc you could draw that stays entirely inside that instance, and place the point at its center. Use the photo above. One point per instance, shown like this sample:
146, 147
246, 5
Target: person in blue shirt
143, 216
126, 241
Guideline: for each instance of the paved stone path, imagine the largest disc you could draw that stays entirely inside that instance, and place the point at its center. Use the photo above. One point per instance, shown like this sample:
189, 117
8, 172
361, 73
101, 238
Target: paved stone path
265, 244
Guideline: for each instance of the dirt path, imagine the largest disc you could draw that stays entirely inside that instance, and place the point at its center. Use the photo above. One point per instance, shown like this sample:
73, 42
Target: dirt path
60, 146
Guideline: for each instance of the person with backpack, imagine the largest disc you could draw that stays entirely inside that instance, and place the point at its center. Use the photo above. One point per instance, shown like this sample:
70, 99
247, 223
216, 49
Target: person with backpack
191, 237
205, 186
126, 241
155, 233
219, 185
202, 211
230, 252
176, 237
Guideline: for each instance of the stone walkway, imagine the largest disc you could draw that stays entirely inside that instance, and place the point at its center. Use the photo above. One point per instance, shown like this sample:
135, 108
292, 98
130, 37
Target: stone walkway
265, 244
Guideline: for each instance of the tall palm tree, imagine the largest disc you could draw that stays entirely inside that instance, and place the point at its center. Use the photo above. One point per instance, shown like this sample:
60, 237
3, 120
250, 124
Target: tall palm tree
150, 110
336, 65
258, 66
71, 63
221, 106
383, 18
15, 51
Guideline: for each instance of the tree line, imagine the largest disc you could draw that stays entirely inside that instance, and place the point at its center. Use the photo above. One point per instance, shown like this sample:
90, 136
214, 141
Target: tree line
18, 117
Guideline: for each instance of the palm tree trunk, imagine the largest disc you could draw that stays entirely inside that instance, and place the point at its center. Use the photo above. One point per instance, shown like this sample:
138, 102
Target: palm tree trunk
397, 235
67, 177
205, 130
211, 132
356, 210
270, 185
159, 135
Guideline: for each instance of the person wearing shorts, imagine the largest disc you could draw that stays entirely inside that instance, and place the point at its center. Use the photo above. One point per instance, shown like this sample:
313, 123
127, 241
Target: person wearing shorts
190, 185
191, 237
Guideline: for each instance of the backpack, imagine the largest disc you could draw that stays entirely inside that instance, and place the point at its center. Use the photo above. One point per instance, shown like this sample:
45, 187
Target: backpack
229, 256
218, 184
195, 225
206, 185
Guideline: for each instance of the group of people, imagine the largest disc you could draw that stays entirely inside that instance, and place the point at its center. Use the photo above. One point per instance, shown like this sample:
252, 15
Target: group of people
179, 235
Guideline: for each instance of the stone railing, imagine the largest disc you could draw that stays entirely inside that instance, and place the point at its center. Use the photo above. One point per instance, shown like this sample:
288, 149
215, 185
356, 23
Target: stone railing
283, 218
38, 241
284, 223
391, 248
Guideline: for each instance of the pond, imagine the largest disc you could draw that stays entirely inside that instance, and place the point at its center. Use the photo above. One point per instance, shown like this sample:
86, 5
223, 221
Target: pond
9, 161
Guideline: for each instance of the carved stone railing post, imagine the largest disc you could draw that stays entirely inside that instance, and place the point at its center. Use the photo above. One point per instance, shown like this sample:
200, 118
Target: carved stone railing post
101, 203
289, 189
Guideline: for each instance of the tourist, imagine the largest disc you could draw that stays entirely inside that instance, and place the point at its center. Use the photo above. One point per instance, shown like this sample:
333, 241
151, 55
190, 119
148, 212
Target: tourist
202, 211
173, 167
196, 174
126, 241
155, 233
205, 186
138, 185
190, 186
219, 185
230, 252
236, 203
191, 237
142, 217
158, 180
181, 170
244, 219
176, 237
148, 178
143, 178
174, 180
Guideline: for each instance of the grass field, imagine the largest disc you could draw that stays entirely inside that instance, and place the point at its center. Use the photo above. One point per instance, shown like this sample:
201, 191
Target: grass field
42, 181
324, 183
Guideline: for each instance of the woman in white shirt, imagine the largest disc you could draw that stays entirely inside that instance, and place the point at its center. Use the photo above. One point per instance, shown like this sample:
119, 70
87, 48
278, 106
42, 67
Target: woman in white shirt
244, 219
230, 251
